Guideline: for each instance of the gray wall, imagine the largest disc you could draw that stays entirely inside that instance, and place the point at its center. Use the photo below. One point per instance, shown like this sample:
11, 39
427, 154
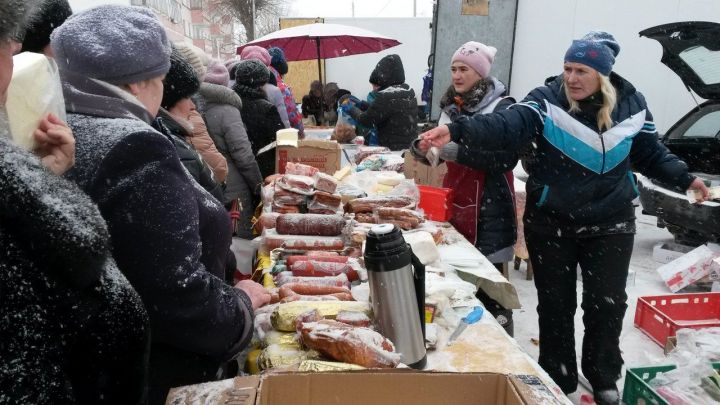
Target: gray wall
453, 29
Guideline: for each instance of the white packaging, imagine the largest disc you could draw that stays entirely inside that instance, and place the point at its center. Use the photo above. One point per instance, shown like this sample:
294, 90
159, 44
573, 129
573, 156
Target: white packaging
34, 91
688, 268
669, 251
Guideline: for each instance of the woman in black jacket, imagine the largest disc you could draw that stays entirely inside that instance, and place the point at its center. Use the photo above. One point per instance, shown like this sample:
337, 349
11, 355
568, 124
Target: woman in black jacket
394, 111
591, 128
259, 115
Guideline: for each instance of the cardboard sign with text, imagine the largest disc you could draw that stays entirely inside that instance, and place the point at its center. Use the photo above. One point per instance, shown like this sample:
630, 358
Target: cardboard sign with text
325, 155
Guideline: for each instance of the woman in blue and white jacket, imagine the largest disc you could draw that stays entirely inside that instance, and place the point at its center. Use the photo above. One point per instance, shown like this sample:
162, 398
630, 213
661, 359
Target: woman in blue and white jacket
590, 129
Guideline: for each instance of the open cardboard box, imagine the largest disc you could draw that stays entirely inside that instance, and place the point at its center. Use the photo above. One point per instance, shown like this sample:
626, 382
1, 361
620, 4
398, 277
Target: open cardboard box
386, 387
325, 155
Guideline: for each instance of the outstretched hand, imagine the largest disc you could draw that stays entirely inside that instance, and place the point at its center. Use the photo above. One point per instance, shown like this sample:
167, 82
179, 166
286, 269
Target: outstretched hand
436, 137
55, 144
701, 191
259, 296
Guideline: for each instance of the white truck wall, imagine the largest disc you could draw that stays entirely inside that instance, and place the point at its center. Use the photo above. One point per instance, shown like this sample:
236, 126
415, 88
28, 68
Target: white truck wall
545, 29
353, 72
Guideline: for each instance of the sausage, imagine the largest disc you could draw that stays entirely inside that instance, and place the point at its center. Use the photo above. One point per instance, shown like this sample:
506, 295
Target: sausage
312, 268
310, 224
334, 259
310, 289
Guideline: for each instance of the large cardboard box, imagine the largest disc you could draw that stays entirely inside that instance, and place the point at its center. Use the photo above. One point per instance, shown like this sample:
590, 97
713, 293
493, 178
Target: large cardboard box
424, 174
325, 155
368, 387
669, 251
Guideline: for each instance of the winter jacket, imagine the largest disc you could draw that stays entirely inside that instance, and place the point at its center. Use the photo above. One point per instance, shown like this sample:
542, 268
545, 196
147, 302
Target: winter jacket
581, 182
394, 111
170, 237
176, 132
202, 142
222, 112
262, 123
293, 115
276, 98
72, 328
314, 106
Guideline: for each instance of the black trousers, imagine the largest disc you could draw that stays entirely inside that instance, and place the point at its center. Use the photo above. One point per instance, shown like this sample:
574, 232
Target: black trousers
604, 261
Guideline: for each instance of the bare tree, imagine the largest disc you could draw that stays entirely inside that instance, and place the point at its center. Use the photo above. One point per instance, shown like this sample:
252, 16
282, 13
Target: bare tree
267, 15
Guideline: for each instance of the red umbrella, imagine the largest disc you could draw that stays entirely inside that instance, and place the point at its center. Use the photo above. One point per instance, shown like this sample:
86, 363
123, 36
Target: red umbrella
323, 41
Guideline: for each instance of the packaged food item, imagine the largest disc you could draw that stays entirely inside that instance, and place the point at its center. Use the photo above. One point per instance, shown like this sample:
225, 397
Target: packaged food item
273, 240
274, 337
290, 260
282, 355
286, 277
325, 182
296, 183
301, 169
284, 315
313, 268
368, 204
310, 224
353, 318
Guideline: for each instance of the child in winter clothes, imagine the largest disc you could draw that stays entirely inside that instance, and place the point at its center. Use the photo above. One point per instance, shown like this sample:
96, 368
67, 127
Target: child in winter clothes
591, 128
170, 237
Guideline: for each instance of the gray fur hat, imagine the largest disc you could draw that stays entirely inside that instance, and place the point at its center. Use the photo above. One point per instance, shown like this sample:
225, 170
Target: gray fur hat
113, 43
12, 18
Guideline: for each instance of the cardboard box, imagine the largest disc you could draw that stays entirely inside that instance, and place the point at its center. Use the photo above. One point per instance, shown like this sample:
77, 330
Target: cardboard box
325, 155
689, 268
667, 252
377, 387
424, 174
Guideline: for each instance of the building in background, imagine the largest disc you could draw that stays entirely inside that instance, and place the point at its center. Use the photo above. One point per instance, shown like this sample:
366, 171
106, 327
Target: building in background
196, 21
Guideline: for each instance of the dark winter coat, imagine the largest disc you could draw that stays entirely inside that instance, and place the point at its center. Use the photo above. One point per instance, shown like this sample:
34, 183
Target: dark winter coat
394, 111
72, 328
581, 182
167, 125
262, 122
221, 110
484, 198
314, 106
170, 237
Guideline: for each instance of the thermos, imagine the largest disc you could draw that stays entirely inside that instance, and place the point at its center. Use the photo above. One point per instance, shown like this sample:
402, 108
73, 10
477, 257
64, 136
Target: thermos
397, 293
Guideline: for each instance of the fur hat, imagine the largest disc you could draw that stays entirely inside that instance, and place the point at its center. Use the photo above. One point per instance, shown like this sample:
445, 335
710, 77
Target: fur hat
48, 15
12, 16
256, 52
477, 55
113, 43
193, 55
217, 73
180, 82
251, 73
278, 60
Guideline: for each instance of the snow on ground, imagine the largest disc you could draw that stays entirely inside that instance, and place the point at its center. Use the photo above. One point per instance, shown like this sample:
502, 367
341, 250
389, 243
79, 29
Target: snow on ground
638, 349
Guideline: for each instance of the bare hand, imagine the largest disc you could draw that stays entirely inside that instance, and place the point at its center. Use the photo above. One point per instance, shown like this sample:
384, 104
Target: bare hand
437, 137
55, 144
259, 296
699, 186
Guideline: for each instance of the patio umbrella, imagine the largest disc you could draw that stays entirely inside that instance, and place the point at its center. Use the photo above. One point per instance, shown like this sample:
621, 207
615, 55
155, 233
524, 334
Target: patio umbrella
323, 41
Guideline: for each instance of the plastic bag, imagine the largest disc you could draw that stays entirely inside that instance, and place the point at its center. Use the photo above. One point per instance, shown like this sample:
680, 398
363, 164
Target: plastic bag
344, 131
34, 91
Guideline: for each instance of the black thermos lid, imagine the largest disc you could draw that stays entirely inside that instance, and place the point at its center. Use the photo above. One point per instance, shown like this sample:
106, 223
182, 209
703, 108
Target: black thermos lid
385, 249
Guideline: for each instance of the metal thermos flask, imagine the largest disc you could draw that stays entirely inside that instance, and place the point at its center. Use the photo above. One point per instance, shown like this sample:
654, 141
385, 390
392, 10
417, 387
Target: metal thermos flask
397, 293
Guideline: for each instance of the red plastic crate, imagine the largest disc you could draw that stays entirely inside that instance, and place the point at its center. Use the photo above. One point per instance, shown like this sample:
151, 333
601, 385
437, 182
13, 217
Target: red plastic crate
661, 316
436, 202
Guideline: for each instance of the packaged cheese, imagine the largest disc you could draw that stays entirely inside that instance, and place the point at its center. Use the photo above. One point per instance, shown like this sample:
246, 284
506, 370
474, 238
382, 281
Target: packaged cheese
34, 91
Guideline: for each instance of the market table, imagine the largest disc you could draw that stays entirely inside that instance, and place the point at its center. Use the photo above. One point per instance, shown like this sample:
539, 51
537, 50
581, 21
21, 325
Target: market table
324, 133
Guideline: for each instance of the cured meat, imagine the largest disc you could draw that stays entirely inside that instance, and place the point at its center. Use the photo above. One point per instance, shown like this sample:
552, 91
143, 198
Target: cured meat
300, 169
285, 209
310, 224
325, 182
353, 318
322, 269
285, 197
296, 183
349, 344
368, 204
266, 220
286, 277
290, 260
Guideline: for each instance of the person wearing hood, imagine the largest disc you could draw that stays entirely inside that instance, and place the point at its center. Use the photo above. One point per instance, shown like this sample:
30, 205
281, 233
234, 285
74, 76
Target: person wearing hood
221, 110
590, 128
394, 111
199, 138
313, 104
73, 330
170, 236
483, 202
259, 115
173, 120
279, 68
272, 92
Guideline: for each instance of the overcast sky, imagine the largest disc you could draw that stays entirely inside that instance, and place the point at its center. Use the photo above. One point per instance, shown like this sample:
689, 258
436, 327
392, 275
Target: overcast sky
363, 8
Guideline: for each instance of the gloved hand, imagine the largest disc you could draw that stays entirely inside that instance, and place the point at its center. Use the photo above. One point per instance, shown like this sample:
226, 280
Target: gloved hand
346, 107
363, 105
345, 99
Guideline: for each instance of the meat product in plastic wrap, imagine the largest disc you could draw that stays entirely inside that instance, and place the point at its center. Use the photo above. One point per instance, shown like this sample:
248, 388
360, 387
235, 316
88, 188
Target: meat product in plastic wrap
300, 169
282, 196
353, 318
365, 151
369, 204
296, 183
290, 260
286, 277
327, 199
273, 240
350, 344
267, 220
310, 224
313, 268
272, 178
285, 209
402, 217
325, 182
320, 253
312, 292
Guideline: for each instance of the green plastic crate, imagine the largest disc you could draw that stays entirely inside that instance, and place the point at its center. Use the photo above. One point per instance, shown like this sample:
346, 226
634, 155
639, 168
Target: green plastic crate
637, 391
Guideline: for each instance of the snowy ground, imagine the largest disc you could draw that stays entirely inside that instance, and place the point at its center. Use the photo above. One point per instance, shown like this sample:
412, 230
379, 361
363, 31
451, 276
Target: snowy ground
638, 349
